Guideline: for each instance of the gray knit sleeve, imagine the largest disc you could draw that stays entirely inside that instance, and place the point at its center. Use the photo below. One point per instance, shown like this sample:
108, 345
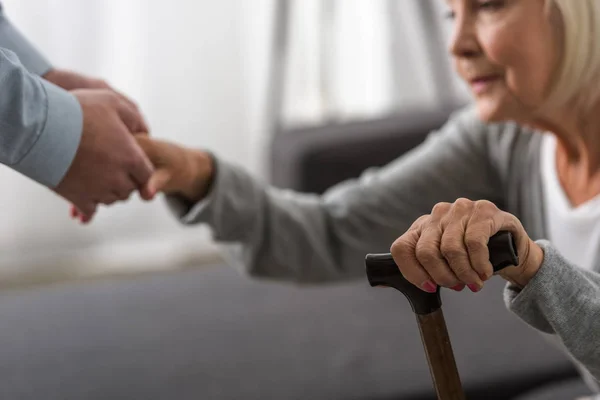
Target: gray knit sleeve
564, 300
281, 234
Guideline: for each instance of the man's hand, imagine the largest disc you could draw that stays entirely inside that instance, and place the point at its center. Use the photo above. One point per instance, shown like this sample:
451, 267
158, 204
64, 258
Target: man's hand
109, 165
70, 80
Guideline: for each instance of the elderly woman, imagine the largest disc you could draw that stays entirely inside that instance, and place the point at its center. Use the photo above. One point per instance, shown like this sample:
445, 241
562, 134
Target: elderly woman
524, 158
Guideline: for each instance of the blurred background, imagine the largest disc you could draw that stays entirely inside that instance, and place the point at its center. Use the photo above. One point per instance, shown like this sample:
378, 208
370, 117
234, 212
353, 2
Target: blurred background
304, 94
202, 72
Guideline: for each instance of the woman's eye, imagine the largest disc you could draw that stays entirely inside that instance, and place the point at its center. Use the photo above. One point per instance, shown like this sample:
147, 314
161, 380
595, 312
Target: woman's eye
490, 5
487, 5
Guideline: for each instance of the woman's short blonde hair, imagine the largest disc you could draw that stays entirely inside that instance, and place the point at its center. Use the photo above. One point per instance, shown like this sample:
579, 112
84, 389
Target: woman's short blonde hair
578, 76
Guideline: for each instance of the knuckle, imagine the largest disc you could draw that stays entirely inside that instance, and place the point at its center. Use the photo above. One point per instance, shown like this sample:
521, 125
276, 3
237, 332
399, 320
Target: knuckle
121, 186
441, 208
463, 203
426, 253
474, 243
420, 222
486, 206
400, 248
452, 251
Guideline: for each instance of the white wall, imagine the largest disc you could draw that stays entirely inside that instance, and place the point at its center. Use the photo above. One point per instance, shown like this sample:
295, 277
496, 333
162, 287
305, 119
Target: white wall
182, 62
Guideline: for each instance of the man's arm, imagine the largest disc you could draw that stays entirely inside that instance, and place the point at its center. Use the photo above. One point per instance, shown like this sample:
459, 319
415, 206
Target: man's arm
76, 142
40, 124
12, 39
36, 63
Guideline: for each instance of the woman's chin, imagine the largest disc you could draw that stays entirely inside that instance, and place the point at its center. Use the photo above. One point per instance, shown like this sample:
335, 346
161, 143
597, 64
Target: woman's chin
491, 111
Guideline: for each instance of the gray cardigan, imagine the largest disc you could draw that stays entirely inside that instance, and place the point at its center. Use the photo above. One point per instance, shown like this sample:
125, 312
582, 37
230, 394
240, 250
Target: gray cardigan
284, 235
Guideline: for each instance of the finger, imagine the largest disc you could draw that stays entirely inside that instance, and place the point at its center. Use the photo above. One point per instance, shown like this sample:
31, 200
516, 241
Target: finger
146, 194
141, 168
143, 127
484, 222
455, 252
476, 241
403, 252
86, 219
429, 255
124, 188
87, 209
157, 183
130, 116
149, 147
159, 180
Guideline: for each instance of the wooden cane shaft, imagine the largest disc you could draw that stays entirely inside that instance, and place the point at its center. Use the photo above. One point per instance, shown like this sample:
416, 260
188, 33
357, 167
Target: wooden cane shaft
440, 356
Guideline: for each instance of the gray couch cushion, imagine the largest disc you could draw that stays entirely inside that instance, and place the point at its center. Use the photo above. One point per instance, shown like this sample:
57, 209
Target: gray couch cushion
563, 390
212, 334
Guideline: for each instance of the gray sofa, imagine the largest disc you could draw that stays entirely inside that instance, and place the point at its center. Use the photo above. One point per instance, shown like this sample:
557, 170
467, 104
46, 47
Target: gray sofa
211, 333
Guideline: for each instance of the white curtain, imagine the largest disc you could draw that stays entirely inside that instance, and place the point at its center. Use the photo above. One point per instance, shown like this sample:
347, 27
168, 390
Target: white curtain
363, 58
199, 70
182, 62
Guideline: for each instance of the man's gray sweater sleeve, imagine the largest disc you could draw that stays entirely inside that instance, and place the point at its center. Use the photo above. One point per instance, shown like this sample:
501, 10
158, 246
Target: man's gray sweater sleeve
564, 300
40, 124
285, 235
12, 39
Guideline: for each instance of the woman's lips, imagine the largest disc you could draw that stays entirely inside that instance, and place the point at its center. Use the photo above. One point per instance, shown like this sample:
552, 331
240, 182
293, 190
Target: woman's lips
483, 84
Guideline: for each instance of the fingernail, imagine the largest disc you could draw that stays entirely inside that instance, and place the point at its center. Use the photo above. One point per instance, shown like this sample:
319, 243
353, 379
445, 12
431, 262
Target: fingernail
459, 288
429, 287
474, 288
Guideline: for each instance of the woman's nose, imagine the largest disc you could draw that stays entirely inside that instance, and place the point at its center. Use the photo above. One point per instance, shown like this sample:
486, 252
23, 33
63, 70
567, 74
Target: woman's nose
463, 42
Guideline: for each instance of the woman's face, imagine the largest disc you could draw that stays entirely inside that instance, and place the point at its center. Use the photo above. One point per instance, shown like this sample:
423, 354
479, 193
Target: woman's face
507, 51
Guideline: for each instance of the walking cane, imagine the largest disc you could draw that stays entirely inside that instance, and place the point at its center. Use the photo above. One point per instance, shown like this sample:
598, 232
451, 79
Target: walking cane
383, 271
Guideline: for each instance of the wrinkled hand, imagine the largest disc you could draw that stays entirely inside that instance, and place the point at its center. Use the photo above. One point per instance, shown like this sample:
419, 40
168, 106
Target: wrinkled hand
70, 80
449, 247
108, 165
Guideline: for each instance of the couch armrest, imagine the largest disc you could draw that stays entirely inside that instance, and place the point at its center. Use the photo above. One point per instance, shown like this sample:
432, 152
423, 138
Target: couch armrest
315, 158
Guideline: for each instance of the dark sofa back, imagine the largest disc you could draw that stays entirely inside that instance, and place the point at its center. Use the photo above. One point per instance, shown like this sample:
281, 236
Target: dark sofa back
315, 158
